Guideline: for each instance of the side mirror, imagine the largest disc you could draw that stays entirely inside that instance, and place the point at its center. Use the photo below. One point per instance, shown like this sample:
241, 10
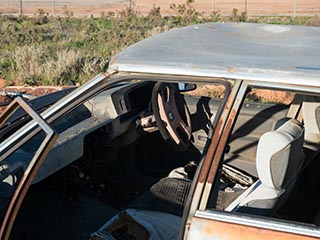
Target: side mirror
185, 87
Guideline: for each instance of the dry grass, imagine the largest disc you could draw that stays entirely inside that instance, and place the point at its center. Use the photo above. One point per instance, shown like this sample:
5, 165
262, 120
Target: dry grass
55, 51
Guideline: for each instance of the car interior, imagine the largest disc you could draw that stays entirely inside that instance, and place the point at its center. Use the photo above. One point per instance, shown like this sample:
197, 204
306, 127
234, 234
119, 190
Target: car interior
124, 169
282, 180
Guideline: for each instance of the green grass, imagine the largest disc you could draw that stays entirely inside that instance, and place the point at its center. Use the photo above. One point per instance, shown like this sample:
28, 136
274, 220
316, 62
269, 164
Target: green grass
52, 51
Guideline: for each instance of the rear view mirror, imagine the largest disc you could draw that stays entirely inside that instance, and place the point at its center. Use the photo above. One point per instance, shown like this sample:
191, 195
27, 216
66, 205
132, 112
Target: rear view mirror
185, 87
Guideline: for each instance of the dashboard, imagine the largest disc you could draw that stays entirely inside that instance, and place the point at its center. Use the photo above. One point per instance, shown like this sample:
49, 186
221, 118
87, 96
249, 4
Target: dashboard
132, 99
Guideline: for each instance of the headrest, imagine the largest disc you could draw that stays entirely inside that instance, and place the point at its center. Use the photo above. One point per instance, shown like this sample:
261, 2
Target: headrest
280, 154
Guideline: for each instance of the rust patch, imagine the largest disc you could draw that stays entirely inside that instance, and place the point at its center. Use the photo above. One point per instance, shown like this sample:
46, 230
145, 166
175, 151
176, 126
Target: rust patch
213, 229
208, 230
221, 147
231, 69
210, 153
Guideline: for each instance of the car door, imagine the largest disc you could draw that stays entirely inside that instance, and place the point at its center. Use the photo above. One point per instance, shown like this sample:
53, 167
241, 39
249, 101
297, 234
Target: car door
24, 176
222, 225
208, 221
17, 175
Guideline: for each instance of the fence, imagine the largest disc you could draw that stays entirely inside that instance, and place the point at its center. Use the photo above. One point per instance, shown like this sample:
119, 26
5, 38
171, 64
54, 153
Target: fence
62, 7
252, 7
98, 7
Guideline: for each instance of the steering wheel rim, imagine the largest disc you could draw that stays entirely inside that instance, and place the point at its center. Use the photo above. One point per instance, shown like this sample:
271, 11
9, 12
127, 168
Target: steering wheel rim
172, 115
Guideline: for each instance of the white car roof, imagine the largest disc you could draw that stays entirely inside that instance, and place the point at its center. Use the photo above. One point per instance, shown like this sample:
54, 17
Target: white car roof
274, 53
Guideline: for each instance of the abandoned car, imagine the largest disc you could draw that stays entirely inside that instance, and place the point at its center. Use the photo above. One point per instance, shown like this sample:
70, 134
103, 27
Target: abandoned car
204, 132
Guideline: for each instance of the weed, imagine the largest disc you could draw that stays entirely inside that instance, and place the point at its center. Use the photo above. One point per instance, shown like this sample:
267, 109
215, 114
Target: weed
215, 17
55, 50
154, 12
313, 21
235, 17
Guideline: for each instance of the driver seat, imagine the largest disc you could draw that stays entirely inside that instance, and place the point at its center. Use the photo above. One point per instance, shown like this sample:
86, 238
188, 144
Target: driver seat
279, 159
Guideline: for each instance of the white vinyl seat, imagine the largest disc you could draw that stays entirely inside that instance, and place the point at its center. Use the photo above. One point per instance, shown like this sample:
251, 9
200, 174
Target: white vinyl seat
279, 159
311, 119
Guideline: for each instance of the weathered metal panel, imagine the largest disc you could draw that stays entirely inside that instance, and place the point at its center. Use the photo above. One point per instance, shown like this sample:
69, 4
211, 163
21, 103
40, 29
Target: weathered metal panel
198, 191
206, 229
277, 53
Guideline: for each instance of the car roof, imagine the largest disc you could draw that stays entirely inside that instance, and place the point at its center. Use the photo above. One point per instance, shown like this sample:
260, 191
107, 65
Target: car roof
274, 53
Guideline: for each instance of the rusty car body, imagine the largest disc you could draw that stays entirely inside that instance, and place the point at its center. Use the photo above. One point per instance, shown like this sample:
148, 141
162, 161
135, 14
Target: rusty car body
182, 138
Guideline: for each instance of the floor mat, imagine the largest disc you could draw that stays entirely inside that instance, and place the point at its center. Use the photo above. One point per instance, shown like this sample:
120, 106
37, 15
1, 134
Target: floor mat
168, 195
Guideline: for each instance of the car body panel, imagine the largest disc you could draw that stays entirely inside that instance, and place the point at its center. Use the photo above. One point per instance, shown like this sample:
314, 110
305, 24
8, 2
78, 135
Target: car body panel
249, 51
227, 230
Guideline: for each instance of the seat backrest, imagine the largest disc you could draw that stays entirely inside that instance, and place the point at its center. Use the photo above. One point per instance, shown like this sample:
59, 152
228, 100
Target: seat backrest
278, 160
311, 119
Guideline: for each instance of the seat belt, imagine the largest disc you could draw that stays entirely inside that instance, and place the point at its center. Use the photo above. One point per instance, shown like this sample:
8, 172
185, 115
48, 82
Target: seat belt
295, 108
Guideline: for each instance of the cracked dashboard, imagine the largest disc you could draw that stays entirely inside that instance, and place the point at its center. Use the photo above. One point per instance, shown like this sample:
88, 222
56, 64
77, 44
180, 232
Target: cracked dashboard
133, 99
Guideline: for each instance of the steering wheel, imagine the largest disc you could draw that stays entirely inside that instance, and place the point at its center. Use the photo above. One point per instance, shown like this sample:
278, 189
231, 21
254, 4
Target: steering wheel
172, 115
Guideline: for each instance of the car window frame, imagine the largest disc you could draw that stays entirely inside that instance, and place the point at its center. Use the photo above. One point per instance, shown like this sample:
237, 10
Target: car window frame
33, 166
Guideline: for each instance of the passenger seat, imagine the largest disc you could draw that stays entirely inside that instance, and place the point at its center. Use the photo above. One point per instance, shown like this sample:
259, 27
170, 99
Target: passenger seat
279, 159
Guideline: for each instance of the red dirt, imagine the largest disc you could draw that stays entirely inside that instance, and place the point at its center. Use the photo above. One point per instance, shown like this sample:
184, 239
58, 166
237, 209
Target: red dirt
256, 95
271, 96
2, 83
36, 91
224, 7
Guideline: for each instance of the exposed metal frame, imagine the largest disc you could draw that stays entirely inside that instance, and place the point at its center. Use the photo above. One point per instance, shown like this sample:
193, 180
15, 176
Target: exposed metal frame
63, 106
220, 149
200, 180
33, 166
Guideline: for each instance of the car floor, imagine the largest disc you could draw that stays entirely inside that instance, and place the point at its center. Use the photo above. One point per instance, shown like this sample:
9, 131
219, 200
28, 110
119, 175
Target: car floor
47, 213
64, 206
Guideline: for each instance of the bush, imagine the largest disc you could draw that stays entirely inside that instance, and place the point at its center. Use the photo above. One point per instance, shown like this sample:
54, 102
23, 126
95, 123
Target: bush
54, 51
235, 17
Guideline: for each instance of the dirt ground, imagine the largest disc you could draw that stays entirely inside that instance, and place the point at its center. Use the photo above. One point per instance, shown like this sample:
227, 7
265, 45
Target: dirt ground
224, 7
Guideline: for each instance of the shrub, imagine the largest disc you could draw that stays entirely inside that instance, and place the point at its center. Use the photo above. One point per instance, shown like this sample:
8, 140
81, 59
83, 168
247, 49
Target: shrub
235, 17
313, 21
154, 12
60, 49
28, 61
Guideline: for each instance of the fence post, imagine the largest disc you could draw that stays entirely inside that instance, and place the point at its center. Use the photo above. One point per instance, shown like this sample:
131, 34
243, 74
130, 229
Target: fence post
53, 7
21, 12
212, 5
294, 8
